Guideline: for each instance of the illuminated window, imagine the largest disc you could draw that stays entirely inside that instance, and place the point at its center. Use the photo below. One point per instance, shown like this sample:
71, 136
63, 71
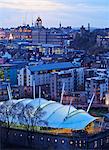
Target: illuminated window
95, 144
107, 140
5, 92
62, 141
80, 143
76, 143
71, 142
56, 140
42, 138
101, 141
84, 141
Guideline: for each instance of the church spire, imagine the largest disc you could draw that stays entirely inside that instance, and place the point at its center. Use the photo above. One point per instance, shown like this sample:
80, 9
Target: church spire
89, 27
60, 26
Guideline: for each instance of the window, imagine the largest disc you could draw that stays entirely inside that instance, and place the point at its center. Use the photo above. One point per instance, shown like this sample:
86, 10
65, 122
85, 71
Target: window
80, 144
95, 144
62, 141
76, 143
56, 140
42, 138
101, 141
15, 134
84, 142
71, 142
107, 140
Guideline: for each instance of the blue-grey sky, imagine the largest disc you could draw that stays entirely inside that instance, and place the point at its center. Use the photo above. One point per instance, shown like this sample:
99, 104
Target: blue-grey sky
69, 12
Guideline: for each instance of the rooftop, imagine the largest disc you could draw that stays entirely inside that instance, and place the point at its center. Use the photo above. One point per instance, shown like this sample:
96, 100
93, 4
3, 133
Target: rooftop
54, 66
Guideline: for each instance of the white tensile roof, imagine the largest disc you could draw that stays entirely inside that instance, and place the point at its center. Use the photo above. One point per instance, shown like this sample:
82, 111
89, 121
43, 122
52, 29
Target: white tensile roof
53, 113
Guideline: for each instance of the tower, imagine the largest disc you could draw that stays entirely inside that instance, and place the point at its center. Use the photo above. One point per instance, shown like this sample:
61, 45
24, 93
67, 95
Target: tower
38, 22
89, 27
60, 25
32, 23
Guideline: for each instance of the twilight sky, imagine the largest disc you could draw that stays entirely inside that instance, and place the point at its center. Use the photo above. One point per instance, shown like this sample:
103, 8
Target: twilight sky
69, 12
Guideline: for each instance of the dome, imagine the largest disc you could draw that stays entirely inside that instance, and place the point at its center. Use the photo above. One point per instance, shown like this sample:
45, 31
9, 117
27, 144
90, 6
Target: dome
39, 19
53, 113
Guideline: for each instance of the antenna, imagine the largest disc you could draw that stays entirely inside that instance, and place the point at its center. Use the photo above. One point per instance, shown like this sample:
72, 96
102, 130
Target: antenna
34, 90
69, 108
90, 102
39, 94
32, 22
62, 94
9, 91
39, 91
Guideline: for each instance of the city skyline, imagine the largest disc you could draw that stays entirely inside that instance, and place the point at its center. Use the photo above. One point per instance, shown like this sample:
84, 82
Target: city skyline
71, 13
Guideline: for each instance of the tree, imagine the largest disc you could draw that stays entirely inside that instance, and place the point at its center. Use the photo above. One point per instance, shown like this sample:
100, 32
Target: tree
31, 117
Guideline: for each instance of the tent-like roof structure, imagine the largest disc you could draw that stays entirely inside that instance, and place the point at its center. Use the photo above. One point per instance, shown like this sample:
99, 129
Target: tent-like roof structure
53, 113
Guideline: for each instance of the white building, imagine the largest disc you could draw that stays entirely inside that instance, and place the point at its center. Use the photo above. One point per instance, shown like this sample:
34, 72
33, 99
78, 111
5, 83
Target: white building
21, 77
41, 74
25, 77
73, 79
97, 85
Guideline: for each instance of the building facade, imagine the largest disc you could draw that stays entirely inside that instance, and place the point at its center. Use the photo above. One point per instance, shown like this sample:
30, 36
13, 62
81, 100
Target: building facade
41, 75
73, 80
48, 36
99, 86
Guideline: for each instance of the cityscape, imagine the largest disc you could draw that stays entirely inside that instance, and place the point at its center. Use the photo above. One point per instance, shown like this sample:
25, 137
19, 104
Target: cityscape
54, 80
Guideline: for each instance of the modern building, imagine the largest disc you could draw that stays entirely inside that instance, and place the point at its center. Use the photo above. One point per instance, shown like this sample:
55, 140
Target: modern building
8, 71
90, 72
99, 86
15, 91
41, 74
62, 126
72, 78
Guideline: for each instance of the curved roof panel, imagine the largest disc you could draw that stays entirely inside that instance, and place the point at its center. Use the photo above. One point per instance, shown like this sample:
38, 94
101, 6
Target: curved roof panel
55, 114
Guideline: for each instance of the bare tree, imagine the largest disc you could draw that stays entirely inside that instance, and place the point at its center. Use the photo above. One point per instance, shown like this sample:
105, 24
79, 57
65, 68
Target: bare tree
32, 118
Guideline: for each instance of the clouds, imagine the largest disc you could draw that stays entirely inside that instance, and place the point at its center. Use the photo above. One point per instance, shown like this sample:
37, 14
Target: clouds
33, 5
69, 12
